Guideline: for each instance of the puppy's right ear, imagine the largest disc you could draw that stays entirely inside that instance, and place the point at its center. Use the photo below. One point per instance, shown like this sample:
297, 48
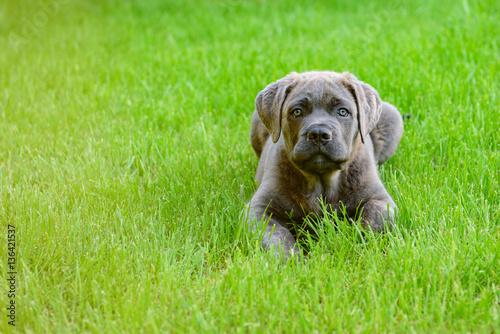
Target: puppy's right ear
269, 104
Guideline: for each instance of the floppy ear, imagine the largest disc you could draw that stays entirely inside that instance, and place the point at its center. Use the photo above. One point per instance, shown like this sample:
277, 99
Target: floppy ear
269, 103
368, 102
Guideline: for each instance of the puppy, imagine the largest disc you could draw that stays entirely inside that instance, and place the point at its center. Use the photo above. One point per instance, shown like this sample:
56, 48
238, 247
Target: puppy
319, 137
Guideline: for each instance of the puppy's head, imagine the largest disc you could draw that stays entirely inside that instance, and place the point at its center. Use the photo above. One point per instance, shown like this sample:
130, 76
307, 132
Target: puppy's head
319, 115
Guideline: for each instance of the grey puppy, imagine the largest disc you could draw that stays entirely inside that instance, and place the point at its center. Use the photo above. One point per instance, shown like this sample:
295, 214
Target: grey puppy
319, 136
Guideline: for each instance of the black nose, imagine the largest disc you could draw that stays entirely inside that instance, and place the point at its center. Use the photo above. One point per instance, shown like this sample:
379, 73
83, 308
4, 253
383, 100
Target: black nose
319, 134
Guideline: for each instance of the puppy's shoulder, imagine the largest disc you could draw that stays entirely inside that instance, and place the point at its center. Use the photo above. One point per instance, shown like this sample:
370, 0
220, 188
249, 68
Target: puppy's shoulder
362, 169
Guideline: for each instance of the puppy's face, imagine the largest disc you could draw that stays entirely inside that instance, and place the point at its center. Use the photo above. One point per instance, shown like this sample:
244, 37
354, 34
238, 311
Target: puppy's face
319, 124
319, 115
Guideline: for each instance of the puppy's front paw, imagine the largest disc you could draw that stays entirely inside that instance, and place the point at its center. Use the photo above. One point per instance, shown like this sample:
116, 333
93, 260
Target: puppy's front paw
377, 225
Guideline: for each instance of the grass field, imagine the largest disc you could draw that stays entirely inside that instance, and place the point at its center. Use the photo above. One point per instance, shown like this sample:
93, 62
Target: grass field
125, 163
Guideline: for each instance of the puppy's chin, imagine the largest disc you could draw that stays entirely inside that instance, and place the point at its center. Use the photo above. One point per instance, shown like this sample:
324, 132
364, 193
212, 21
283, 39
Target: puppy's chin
318, 163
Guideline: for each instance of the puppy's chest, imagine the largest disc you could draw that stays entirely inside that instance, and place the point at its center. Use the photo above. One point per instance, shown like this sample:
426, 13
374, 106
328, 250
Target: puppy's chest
315, 204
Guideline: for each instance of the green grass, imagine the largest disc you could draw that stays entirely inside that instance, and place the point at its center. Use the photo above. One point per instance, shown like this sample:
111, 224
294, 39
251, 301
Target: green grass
125, 163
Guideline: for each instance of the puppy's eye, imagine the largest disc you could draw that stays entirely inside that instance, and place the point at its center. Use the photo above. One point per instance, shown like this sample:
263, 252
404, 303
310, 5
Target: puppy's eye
343, 112
297, 112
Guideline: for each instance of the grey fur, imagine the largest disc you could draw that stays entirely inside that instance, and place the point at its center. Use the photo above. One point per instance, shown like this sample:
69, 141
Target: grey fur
320, 154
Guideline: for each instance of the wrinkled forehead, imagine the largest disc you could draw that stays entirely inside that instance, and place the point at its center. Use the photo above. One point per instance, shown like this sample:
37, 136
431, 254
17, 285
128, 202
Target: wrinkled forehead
320, 88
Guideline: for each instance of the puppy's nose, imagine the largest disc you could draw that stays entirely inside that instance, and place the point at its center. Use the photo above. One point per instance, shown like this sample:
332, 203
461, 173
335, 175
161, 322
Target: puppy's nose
319, 135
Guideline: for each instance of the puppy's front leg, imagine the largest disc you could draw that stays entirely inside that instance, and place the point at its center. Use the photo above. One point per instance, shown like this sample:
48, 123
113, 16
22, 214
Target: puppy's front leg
276, 237
379, 215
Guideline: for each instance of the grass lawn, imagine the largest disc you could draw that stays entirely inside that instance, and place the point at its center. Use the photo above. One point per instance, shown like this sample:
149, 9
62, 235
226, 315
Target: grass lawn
125, 163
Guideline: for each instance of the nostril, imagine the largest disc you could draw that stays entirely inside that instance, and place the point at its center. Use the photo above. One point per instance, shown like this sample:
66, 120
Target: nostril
326, 136
312, 135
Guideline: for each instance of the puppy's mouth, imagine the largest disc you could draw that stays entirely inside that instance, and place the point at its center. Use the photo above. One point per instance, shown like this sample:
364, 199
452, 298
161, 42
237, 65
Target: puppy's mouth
319, 162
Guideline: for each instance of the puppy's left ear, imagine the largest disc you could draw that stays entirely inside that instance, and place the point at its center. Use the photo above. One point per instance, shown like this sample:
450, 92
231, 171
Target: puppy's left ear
368, 102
